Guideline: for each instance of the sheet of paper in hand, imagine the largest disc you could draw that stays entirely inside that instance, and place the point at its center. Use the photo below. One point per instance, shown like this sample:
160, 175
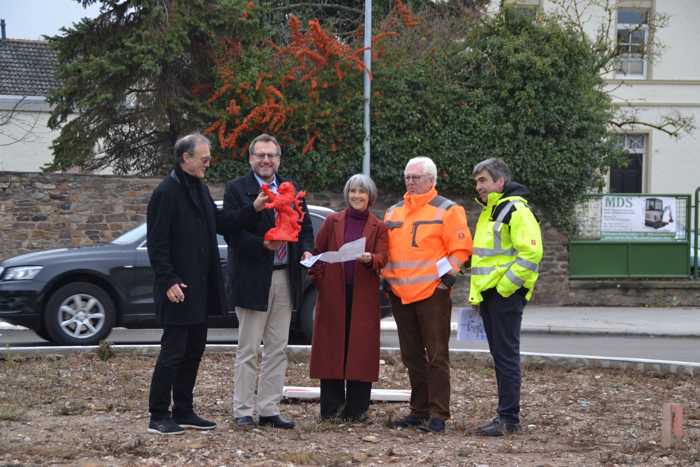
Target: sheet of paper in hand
471, 327
347, 252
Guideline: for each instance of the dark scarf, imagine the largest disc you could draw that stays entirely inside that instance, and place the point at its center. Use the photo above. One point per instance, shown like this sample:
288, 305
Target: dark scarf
354, 225
193, 185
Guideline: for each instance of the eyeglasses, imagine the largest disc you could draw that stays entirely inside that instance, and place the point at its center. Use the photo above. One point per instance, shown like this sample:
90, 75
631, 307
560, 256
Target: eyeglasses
413, 178
263, 155
203, 160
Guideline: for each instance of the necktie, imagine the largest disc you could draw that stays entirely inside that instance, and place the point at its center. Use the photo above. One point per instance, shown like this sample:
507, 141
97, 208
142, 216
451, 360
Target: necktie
281, 253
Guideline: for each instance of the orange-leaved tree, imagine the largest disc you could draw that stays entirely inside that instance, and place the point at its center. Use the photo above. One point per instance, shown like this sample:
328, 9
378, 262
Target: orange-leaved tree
307, 92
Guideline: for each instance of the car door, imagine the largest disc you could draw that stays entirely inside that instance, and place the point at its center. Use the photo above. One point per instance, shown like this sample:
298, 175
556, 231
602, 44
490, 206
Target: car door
140, 295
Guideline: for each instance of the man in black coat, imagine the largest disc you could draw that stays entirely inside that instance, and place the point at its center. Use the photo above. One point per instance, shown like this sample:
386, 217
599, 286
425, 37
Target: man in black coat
182, 225
266, 281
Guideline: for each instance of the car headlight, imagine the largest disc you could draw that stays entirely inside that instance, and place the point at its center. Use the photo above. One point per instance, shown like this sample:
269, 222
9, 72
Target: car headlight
21, 273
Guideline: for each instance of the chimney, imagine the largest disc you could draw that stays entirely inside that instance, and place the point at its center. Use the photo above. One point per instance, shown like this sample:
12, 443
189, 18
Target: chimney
2, 26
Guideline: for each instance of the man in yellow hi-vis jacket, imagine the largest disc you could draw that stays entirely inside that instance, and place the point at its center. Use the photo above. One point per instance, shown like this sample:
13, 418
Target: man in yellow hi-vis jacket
504, 268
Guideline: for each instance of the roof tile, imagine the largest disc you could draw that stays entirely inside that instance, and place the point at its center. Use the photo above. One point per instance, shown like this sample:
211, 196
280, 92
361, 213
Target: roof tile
27, 67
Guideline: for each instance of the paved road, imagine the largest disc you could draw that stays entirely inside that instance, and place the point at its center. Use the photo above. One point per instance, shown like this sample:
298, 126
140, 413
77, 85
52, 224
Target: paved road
685, 349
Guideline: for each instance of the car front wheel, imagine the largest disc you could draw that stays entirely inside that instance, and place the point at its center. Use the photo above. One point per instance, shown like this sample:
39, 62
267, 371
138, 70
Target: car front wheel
79, 313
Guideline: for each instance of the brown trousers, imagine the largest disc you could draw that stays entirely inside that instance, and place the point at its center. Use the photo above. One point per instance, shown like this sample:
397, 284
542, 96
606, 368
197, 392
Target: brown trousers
424, 334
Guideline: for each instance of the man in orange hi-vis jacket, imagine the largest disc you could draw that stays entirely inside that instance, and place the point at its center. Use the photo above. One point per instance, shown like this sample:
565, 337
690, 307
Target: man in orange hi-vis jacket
429, 241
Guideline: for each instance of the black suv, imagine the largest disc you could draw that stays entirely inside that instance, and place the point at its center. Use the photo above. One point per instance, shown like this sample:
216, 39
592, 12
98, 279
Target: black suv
76, 296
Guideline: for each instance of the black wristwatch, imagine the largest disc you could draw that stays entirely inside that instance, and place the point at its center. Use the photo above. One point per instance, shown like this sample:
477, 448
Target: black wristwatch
448, 279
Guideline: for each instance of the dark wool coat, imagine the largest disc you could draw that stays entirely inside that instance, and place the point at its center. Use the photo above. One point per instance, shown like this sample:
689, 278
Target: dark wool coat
182, 248
328, 346
250, 263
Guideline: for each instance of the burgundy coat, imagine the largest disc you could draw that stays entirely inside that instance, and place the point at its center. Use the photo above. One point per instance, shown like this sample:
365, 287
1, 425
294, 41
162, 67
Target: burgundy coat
328, 343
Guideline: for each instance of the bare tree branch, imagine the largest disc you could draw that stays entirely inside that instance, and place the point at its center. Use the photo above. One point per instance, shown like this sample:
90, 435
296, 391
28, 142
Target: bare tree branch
672, 125
12, 118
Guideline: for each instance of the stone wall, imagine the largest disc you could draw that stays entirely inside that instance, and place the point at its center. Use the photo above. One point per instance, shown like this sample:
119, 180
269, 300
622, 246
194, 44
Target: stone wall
40, 211
65, 210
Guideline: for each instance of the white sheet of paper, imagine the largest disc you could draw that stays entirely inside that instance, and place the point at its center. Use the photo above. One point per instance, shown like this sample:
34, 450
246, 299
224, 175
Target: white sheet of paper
471, 327
307, 263
443, 266
348, 252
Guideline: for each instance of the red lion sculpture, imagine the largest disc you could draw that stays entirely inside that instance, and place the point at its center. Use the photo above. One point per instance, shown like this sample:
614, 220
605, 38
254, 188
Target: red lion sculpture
287, 203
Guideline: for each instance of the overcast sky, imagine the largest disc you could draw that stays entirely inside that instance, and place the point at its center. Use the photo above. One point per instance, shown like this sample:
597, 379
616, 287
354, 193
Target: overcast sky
29, 19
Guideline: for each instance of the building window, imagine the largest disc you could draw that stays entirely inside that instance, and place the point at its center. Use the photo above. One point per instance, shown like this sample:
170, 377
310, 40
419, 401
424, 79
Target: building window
632, 37
526, 8
528, 11
628, 177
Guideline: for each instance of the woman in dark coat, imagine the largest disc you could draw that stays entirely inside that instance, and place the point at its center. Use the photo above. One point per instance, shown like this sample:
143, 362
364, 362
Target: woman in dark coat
345, 345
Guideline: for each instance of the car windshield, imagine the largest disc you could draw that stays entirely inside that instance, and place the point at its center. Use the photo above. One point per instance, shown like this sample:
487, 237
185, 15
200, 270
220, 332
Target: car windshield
132, 236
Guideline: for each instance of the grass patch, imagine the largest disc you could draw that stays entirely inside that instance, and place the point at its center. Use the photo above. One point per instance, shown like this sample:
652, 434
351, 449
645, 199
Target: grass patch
300, 457
71, 408
317, 426
10, 413
104, 351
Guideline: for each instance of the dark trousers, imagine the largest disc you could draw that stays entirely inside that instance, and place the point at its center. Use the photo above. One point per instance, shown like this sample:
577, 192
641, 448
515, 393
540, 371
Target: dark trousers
181, 349
424, 335
502, 319
341, 398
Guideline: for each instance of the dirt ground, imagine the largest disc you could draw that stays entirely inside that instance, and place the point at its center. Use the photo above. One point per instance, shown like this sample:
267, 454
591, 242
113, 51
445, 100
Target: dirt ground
81, 410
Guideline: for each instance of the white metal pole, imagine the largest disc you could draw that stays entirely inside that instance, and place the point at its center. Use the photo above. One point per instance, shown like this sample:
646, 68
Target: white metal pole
367, 85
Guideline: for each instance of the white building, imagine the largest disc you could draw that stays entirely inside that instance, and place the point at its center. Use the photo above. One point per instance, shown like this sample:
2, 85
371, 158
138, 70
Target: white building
663, 82
27, 70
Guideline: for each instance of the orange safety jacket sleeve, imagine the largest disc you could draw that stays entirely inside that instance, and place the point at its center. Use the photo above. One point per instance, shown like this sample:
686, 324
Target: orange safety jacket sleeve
457, 237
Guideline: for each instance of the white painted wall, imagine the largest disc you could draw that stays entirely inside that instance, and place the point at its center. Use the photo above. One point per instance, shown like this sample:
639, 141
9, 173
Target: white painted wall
680, 41
672, 165
28, 125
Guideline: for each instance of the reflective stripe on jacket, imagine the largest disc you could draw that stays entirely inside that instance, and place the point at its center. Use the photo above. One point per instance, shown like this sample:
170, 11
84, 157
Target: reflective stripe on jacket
506, 255
423, 229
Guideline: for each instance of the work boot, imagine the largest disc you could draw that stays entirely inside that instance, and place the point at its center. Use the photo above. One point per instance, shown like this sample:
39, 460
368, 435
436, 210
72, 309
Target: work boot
434, 425
497, 427
408, 421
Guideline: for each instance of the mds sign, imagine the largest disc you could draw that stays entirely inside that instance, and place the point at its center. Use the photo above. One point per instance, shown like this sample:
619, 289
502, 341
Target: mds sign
640, 217
640, 235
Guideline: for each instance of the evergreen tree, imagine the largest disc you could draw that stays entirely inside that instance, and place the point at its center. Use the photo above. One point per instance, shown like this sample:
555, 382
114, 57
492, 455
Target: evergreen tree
136, 77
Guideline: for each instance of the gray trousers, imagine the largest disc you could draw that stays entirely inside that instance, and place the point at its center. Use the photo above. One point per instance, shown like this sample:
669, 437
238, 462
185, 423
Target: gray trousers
272, 328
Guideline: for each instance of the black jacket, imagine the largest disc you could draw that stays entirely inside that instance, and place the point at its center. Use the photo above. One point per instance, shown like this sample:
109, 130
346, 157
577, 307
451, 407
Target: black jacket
249, 261
182, 248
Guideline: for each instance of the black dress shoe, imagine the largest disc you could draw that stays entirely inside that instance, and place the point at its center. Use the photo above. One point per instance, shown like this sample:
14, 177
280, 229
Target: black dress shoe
434, 425
497, 427
276, 421
408, 421
244, 422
